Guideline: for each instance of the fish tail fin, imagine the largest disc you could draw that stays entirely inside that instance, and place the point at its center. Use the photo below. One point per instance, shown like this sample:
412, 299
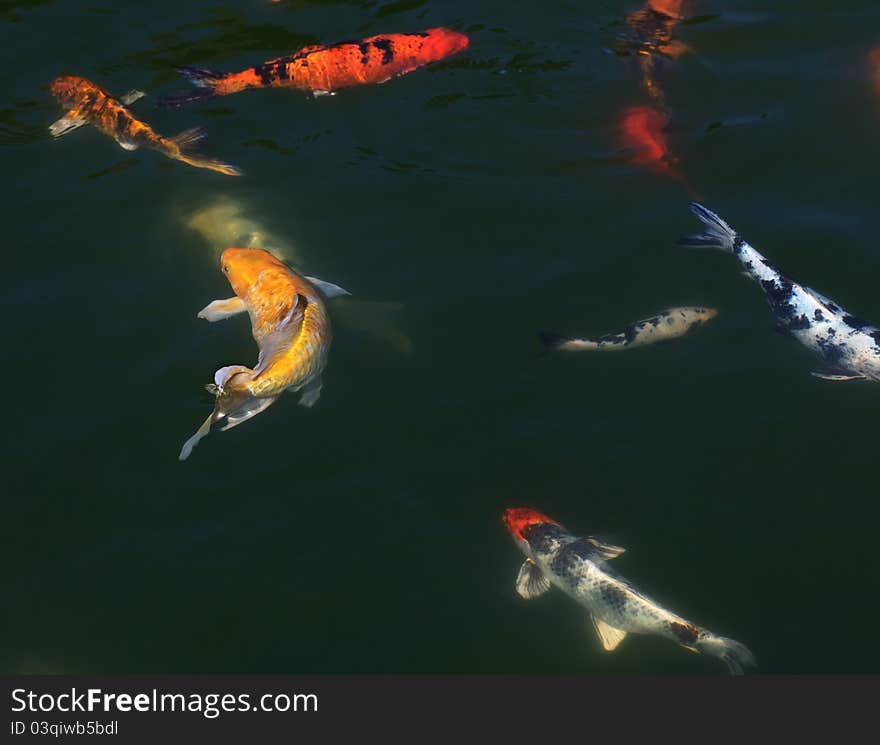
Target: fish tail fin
736, 656
717, 233
187, 140
206, 84
200, 433
557, 342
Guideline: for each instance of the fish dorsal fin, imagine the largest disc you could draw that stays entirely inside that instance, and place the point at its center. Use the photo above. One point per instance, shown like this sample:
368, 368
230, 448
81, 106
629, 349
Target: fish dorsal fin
606, 550
328, 289
608, 635
531, 581
826, 301
129, 97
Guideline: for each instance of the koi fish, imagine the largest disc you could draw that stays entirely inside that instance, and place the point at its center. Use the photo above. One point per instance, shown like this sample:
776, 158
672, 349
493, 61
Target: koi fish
290, 324
641, 134
326, 69
87, 103
578, 567
669, 324
848, 346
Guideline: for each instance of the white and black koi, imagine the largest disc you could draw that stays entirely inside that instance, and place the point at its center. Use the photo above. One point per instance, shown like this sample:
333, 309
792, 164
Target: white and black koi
848, 346
668, 324
577, 566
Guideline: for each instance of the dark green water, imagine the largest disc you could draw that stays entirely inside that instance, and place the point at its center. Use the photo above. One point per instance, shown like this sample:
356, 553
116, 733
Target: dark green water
488, 197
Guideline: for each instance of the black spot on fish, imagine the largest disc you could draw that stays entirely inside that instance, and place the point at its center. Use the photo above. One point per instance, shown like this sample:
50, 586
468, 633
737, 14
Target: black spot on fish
121, 121
613, 595
855, 323
738, 246
748, 266
630, 333
818, 315
386, 48
365, 52
799, 323
655, 322
685, 633
266, 73
281, 71
779, 295
832, 352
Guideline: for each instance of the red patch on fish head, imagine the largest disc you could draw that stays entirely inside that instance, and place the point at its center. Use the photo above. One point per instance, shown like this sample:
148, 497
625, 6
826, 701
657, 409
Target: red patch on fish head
442, 42
517, 519
67, 89
641, 132
243, 266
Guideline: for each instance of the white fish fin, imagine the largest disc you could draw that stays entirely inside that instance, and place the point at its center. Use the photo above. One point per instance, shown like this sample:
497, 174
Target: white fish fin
200, 433
189, 138
67, 123
608, 635
826, 301
126, 144
556, 342
328, 289
225, 373
320, 94
837, 377
128, 98
531, 581
605, 550
248, 409
311, 392
217, 310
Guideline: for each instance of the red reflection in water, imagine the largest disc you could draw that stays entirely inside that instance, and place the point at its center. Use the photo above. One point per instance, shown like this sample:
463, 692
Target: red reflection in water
874, 67
641, 134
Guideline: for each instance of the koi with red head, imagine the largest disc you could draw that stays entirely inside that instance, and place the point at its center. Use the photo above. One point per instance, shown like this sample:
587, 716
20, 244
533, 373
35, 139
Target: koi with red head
325, 69
577, 567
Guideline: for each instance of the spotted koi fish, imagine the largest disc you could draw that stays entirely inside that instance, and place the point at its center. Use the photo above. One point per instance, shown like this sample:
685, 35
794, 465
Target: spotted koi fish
290, 324
87, 103
669, 324
578, 567
848, 346
326, 69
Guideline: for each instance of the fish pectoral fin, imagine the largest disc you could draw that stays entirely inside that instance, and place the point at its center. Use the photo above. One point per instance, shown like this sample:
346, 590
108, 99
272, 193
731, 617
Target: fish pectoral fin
328, 289
247, 410
126, 144
70, 121
605, 550
311, 392
837, 377
200, 433
531, 582
217, 310
128, 98
608, 635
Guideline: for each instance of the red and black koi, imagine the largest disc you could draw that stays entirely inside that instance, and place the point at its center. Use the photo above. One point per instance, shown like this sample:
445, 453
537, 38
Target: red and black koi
326, 69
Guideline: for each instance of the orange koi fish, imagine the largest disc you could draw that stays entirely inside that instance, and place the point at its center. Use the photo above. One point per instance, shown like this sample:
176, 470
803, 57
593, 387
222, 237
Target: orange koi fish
290, 324
326, 69
641, 133
87, 103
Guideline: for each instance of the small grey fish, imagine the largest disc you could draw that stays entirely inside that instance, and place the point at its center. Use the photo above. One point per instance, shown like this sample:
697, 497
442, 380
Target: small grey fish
577, 566
848, 346
668, 324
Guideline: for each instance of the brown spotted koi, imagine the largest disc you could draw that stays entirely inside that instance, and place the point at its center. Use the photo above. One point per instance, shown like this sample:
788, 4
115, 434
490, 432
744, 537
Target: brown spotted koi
579, 567
327, 69
87, 103
290, 324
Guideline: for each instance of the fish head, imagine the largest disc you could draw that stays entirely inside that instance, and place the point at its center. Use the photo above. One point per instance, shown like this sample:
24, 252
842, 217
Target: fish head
441, 43
520, 520
699, 314
69, 90
671, 8
243, 267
